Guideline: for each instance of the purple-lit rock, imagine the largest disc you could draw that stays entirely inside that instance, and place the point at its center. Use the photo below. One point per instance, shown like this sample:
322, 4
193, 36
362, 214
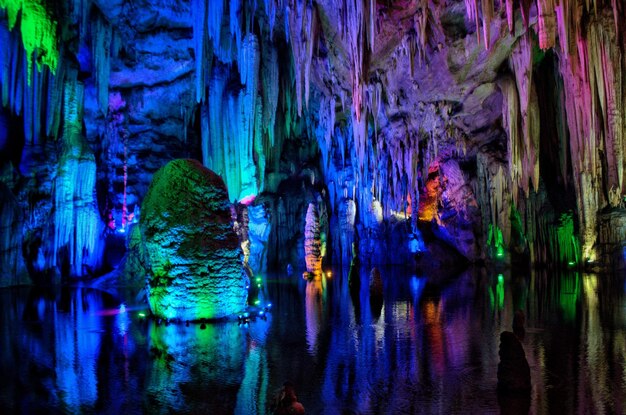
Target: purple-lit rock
191, 250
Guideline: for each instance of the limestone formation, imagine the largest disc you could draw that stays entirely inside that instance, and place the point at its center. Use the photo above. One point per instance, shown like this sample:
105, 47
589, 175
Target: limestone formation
193, 255
312, 243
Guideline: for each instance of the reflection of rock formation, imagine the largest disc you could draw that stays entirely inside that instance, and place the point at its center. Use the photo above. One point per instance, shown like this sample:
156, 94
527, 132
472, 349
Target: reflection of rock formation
11, 262
189, 362
314, 314
344, 238
253, 391
194, 258
594, 369
376, 292
513, 369
59, 337
431, 315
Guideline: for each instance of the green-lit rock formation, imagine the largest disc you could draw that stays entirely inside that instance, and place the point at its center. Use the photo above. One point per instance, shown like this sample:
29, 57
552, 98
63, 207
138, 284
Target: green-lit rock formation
192, 254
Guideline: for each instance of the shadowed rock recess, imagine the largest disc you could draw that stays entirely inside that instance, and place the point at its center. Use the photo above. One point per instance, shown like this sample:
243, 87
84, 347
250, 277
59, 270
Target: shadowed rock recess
420, 130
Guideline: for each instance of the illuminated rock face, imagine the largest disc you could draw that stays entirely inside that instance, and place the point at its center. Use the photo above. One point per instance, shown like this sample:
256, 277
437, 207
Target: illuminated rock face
312, 243
194, 262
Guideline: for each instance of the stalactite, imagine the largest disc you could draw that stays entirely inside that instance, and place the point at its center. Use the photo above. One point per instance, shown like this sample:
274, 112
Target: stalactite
471, 8
102, 39
269, 80
605, 73
487, 11
76, 219
270, 11
492, 190
199, 17
525, 9
592, 83
326, 125
232, 124
303, 35
510, 15
547, 24
524, 149
39, 32
235, 23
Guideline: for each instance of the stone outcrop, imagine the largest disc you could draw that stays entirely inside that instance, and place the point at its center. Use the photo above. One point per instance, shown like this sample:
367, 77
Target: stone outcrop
192, 252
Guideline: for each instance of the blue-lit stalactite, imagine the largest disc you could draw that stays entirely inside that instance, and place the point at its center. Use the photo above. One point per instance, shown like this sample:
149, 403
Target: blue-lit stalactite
78, 227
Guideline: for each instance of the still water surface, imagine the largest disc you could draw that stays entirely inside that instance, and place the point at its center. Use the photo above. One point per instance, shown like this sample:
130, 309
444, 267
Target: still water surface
431, 347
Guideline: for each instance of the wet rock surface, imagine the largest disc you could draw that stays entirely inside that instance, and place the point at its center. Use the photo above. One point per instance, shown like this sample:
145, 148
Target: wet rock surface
194, 261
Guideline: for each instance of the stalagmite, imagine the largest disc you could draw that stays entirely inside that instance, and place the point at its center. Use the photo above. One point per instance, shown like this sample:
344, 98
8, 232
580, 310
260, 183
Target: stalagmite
312, 243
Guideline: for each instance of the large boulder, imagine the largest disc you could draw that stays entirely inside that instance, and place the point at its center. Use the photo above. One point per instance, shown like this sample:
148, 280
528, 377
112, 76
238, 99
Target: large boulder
193, 257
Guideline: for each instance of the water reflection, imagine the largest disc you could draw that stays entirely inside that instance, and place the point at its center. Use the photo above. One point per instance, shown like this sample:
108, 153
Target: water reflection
428, 347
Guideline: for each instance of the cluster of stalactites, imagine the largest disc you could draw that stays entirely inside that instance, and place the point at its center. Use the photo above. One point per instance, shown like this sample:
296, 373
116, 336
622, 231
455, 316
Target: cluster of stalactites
34, 92
236, 143
34, 95
593, 74
302, 36
520, 103
357, 26
38, 29
550, 13
104, 45
76, 218
592, 68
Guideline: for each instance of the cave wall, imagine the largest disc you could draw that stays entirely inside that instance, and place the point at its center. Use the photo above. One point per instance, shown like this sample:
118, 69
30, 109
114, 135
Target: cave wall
495, 129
